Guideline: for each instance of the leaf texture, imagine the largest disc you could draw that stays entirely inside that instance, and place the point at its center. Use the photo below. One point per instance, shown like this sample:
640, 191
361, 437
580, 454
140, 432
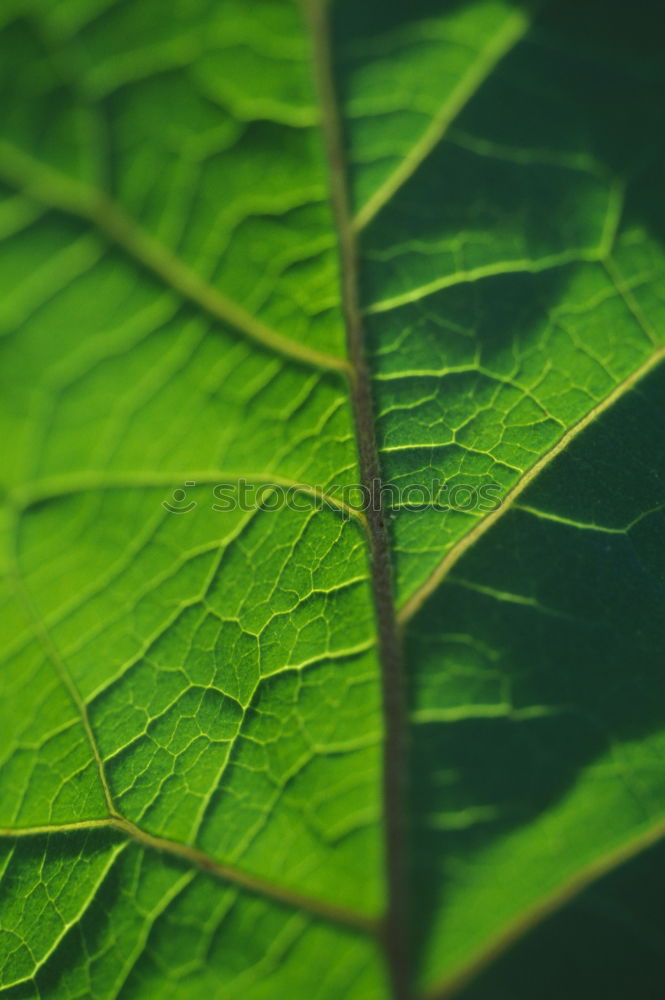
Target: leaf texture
255, 749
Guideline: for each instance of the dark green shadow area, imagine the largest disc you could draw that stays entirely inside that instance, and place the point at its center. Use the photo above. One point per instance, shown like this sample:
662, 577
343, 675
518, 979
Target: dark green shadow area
581, 106
359, 21
610, 943
558, 615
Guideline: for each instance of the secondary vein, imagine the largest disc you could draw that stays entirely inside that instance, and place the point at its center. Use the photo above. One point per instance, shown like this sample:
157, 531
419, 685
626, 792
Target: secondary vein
56, 487
513, 29
57, 191
207, 864
441, 571
544, 908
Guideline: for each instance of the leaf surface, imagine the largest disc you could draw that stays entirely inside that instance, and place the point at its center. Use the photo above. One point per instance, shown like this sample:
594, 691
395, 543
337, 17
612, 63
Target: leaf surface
253, 252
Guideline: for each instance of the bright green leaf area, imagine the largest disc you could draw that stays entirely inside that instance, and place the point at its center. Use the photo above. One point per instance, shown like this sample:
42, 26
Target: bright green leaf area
208, 210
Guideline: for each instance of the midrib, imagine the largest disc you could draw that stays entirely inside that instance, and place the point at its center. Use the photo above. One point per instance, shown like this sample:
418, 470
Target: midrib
395, 920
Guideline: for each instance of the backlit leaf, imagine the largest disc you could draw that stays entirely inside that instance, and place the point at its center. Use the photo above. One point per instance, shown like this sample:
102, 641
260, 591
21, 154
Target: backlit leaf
332, 533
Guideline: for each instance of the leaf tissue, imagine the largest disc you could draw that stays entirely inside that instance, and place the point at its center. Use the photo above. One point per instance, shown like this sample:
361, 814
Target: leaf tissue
332, 524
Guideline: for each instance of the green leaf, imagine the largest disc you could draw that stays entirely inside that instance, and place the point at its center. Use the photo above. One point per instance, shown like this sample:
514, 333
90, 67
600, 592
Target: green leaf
333, 524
